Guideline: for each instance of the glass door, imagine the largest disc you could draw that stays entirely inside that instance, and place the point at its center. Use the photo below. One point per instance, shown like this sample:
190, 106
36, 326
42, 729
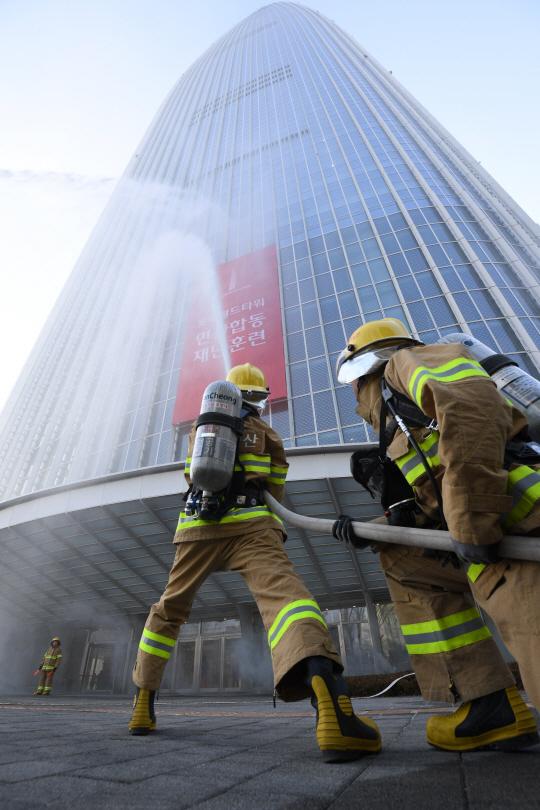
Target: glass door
99, 669
185, 665
210, 664
231, 663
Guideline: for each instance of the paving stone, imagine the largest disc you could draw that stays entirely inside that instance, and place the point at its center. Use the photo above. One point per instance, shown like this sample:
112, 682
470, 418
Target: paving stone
251, 758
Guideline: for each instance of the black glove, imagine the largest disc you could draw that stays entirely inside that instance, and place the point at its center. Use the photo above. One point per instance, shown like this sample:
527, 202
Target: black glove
482, 555
342, 530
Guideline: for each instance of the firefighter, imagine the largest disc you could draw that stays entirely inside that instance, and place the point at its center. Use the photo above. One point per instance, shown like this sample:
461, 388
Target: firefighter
49, 665
462, 425
249, 540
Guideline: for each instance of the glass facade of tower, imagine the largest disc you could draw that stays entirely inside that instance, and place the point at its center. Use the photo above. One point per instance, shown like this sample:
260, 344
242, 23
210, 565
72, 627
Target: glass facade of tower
286, 133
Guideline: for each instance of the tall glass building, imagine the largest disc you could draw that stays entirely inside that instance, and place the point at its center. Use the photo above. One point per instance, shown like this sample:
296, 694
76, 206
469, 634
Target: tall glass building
285, 133
288, 190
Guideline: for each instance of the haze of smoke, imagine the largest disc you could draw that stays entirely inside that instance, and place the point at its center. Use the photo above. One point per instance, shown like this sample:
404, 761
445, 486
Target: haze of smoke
24, 645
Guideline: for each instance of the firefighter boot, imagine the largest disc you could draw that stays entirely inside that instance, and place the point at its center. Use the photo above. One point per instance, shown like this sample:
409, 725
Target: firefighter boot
39, 692
340, 733
500, 720
143, 719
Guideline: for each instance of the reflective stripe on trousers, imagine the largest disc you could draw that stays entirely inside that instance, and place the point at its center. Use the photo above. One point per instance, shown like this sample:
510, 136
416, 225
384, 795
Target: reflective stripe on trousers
443, 635
458, 369
293, 612
155, 644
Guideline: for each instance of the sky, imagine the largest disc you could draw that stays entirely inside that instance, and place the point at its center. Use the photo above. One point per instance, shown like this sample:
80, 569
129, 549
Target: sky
82, 79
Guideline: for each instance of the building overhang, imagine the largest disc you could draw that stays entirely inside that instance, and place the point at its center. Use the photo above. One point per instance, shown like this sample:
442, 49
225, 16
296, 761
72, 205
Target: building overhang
105, 546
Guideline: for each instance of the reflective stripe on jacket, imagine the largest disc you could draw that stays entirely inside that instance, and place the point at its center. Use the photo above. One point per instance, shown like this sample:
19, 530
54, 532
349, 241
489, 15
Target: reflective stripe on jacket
262, 455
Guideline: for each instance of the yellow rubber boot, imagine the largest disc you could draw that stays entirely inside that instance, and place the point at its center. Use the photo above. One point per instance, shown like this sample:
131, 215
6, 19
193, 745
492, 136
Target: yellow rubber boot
342, 736
501, 720
39, 692
143, 719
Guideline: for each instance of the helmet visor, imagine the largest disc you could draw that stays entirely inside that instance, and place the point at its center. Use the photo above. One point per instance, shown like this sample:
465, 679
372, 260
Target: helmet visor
257, 399
347, 371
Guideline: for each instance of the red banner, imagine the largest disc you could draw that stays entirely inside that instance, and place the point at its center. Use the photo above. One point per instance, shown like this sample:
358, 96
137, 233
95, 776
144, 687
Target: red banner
252, 333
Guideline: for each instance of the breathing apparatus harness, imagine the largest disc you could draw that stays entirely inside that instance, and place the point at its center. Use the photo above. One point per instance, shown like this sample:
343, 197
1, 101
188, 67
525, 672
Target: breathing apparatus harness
215, 505
379, 475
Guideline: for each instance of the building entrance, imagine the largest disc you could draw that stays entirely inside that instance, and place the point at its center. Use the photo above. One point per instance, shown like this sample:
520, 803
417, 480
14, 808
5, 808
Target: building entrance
206, 665
99, 668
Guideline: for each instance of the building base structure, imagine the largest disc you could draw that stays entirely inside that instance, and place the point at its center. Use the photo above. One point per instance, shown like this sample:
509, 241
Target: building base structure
85, 562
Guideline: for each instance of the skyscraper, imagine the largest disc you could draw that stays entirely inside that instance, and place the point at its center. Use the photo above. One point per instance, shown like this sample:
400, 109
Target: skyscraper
288, 189
285, 140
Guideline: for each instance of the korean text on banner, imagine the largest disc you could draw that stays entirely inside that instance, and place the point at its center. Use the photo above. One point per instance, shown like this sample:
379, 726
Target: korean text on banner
251, 312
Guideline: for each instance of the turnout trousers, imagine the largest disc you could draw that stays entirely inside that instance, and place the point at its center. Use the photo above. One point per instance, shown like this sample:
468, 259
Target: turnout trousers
452, 651
293, 620
46, 680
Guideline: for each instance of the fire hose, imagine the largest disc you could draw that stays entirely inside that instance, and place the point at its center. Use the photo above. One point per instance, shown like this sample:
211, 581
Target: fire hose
513, 547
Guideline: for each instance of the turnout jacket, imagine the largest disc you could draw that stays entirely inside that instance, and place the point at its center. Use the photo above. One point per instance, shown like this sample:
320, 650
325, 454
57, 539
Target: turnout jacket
482, 500
52, 658
262, 453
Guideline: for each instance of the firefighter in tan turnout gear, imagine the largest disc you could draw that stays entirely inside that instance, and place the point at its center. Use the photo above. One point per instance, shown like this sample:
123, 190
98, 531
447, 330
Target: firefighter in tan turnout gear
49, 665
472, 482
233, 530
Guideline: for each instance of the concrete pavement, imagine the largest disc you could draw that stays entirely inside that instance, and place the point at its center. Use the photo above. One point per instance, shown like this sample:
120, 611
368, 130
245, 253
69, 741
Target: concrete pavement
236, 753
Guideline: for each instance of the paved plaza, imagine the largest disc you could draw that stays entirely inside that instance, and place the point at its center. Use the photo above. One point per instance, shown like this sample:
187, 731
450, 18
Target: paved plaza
224, 753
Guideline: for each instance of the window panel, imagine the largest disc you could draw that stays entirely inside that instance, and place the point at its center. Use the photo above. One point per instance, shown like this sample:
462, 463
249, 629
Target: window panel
290, 295
360, 274
325, 285
371, 248
485, 303
427, 283
293, 319
311, 314
464, 302
296, 347
354, 253
329, 309
342, 280
346, 406
420, 315
307, 290
440, 311
398, 264
335, 336
387, 294
368, 299
325, 413
320, 263
348, 304
319, 374
303, 415
314, 342
390, 243
299, 379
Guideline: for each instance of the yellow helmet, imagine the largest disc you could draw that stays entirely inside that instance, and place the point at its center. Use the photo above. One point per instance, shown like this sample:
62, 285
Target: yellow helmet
370, 347
252, 383
248, 378
56, 639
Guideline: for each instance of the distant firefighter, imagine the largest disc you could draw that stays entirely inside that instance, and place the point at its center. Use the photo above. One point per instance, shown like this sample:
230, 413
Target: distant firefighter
49, 665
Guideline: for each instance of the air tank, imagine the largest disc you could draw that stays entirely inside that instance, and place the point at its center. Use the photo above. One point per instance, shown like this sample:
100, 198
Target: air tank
212, 459
516, 385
